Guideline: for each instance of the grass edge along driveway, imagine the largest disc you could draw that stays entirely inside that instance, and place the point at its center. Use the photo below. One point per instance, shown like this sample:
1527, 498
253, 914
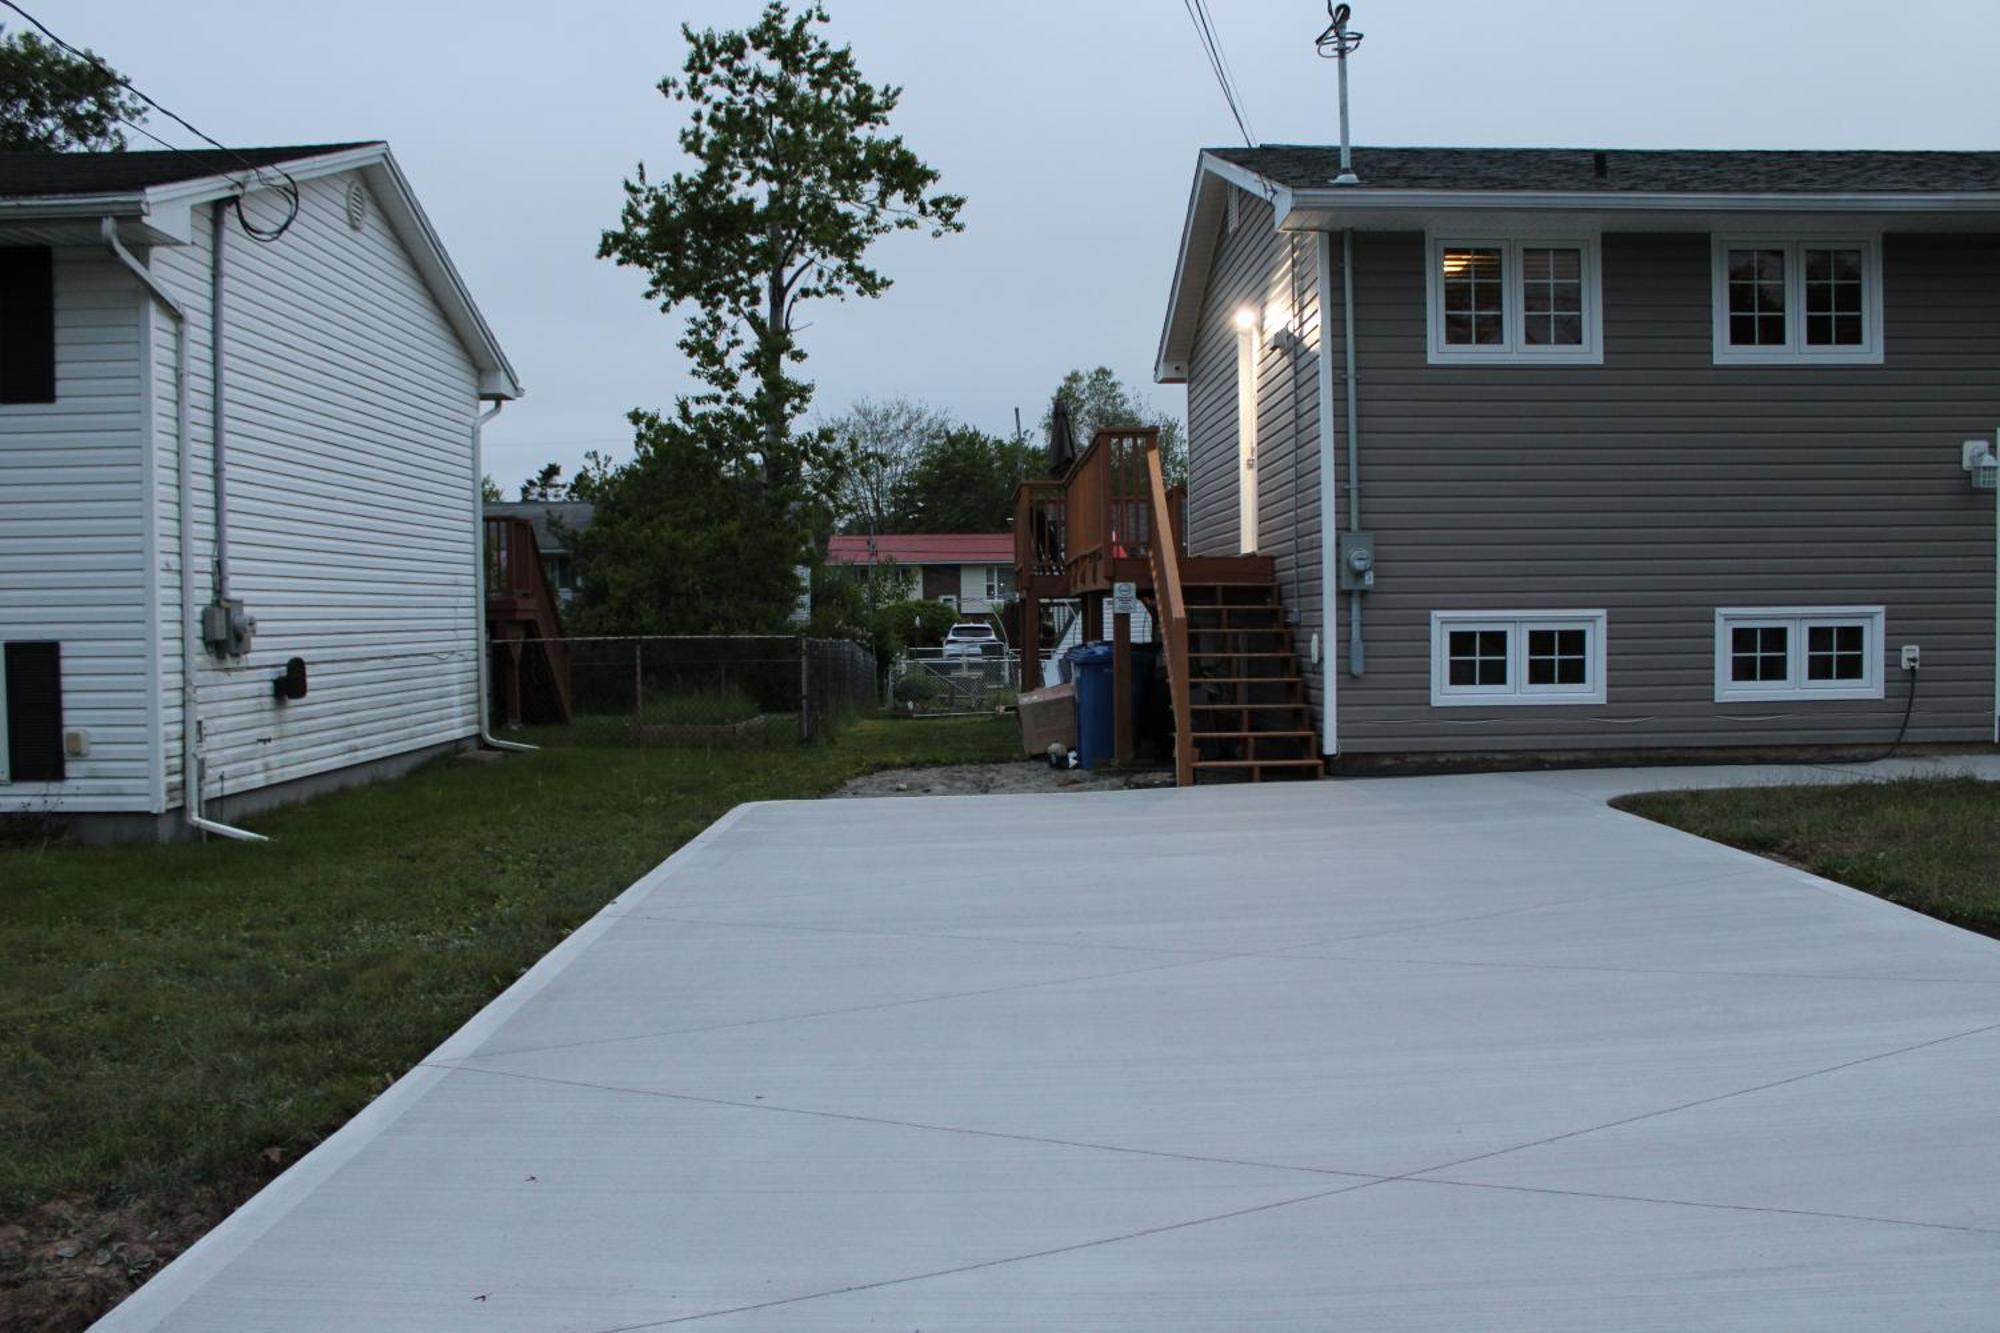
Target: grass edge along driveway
1929, 844
178, 1023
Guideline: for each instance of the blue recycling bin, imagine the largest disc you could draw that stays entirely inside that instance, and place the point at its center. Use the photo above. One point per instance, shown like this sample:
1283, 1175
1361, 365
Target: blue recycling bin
1090, 668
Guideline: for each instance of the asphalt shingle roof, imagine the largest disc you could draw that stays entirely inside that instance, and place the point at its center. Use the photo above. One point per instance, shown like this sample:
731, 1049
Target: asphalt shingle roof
53, 175
1692, 171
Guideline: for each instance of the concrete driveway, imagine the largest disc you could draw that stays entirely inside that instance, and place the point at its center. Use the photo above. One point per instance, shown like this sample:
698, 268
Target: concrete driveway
1433, 1053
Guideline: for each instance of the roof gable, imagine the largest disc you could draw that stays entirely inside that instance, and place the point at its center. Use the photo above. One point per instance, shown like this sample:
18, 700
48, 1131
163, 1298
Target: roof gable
151, 197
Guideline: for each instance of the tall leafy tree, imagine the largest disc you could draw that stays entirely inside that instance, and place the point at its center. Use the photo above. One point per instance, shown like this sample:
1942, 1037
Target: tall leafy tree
794, 177
687, 539
963, 481
879, 443
1098, 399
55, 102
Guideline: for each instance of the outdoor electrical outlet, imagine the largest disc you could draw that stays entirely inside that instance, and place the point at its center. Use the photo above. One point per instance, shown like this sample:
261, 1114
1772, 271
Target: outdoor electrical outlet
1909, 657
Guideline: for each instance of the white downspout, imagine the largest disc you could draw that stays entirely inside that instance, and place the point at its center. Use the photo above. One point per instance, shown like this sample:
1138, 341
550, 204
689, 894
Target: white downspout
1329, 516
190, 648
486, 736
1357, 656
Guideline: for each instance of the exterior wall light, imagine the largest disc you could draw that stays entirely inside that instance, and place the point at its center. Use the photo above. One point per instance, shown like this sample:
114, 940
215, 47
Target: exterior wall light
1246, 319
1981, 464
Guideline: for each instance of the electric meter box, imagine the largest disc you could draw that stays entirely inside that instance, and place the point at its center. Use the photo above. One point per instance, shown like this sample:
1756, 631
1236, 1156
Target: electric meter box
227, 628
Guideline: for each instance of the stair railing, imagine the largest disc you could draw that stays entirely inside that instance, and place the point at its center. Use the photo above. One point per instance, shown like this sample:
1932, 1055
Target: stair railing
518, 590
1170, 612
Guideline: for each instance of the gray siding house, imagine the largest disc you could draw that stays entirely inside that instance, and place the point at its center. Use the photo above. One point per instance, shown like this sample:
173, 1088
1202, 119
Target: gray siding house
1645, 451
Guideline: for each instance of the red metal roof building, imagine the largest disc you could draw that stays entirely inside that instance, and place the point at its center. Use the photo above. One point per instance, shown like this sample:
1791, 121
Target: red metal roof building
973, 571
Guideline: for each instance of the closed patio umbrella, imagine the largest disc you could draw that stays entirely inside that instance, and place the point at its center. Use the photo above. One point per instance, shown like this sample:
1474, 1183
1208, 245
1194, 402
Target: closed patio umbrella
1062, 440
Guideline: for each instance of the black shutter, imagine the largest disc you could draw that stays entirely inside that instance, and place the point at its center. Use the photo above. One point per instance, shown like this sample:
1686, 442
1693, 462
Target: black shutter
34, 712
27, 325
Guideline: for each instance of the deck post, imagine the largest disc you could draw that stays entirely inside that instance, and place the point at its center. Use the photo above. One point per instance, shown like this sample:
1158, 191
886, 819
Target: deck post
1030, 665
1121, 688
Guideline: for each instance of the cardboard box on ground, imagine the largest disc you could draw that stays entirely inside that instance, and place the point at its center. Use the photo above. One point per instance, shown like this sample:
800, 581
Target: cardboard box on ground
1048, 715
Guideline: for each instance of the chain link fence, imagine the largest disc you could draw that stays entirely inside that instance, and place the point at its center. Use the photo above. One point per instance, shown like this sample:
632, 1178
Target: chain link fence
940, 682
686, 691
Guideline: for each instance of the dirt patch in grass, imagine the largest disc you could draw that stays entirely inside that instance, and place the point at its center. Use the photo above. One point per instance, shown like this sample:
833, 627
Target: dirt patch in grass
65, 1263
1021, 776
1929, 844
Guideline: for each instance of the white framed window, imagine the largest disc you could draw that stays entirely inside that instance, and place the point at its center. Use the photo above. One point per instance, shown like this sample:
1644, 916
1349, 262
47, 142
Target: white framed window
1517, 657
1794, 652
993, 583
1797, 301
1524, 299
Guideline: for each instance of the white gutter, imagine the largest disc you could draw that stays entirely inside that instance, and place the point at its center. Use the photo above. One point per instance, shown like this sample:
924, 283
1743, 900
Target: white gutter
190, 649
486, 736
1357, 659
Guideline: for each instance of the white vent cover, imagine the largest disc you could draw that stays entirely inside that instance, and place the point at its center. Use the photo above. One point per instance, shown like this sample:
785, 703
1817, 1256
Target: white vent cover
357, 205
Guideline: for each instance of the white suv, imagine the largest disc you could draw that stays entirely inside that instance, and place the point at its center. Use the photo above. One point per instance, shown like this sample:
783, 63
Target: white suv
970, 638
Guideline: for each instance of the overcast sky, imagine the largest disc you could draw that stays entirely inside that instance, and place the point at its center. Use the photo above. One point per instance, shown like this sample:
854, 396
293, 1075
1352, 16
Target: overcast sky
1071, 126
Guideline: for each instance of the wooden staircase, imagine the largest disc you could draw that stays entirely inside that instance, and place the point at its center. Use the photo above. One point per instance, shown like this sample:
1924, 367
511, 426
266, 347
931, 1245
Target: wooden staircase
1239, 704
530, 653
1247, 713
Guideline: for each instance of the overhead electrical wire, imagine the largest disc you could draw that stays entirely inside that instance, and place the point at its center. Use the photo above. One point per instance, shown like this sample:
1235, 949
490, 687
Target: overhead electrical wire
1211, 45
290, 187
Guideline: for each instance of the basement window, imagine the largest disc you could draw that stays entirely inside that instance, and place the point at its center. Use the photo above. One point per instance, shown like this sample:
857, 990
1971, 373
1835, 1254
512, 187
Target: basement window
31, 718
1764, 653
1517, 657
1793, 302
1515, 301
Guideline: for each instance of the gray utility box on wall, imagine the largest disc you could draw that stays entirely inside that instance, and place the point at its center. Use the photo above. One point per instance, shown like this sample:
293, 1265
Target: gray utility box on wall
1357, 561
227, 628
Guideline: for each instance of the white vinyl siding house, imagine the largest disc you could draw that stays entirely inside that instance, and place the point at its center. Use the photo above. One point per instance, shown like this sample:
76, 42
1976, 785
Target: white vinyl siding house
354, 365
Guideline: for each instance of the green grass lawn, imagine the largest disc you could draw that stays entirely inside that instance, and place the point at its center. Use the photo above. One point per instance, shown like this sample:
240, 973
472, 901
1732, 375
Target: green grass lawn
1930, 844
167, 1014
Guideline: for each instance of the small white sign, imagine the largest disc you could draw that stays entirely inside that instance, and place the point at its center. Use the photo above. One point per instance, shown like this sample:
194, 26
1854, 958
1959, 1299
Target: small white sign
1124, 598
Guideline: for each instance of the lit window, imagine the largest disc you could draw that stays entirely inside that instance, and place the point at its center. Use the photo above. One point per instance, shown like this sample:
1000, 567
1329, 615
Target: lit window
1797, 302
1517, 657
1514, 301
1798, 653
1474, 314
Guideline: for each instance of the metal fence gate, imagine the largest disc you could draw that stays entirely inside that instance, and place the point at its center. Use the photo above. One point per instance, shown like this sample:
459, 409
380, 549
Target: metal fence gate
941, 681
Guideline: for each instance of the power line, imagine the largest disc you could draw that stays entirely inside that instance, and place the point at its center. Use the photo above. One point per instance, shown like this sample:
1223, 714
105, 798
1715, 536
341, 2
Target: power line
1222, 55
290, 188
1211, 45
